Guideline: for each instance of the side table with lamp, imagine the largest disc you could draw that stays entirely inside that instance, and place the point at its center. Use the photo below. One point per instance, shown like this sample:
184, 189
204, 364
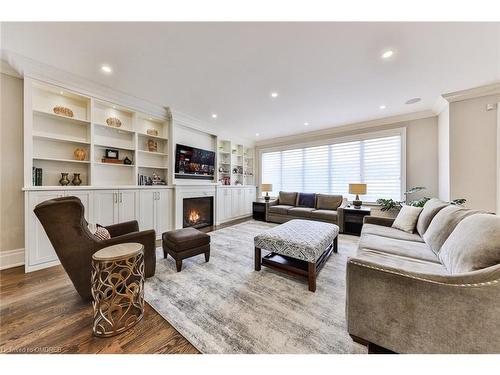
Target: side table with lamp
259, 206
353, 216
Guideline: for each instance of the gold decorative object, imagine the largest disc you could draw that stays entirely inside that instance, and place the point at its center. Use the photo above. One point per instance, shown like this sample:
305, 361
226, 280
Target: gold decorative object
114, 122
117, 288
152, 132
80, 154
152, 145
63, 111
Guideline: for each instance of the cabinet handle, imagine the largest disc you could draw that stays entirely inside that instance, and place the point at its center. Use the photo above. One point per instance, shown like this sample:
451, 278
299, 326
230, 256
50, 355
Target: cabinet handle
120, 197
155, 197
116, 197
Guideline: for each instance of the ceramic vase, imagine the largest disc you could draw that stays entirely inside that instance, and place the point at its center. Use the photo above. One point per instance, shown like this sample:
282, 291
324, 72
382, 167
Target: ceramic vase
64, 179
76, 179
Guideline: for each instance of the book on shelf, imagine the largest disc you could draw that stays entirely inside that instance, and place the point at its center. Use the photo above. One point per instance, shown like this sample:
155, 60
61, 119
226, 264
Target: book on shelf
37, 176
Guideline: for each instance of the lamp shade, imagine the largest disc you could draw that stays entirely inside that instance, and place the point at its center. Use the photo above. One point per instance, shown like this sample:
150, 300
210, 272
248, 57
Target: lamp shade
357, 188
266, 187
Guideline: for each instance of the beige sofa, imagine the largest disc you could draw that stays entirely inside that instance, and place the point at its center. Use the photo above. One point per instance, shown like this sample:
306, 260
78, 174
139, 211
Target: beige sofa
319, 207
433, 291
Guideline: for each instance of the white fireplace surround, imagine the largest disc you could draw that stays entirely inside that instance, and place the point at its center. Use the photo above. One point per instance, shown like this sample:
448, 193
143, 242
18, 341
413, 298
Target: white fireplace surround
191, 191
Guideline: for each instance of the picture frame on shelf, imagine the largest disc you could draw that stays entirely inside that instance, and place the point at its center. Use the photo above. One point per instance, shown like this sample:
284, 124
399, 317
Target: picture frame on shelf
111, 153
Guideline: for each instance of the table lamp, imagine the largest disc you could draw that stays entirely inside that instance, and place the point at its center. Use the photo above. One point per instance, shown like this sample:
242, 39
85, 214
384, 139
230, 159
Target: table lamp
357, 189
266, 188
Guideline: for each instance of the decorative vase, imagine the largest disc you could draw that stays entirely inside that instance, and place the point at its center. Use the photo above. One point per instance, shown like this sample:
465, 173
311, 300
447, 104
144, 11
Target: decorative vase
80, 154
77, 181
64, 179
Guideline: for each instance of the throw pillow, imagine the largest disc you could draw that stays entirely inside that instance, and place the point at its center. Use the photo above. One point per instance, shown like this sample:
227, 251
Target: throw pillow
443, 224
307, 200
431, 208
407, 218
473, 245
102, 233
328, 202
289, 199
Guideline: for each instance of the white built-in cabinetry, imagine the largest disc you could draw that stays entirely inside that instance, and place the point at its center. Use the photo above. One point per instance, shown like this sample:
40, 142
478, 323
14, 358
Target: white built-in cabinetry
234, 202
112, 193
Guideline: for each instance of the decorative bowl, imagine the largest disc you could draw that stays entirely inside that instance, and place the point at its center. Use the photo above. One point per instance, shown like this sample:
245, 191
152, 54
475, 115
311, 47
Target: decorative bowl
152, 132
114, 122
63, 111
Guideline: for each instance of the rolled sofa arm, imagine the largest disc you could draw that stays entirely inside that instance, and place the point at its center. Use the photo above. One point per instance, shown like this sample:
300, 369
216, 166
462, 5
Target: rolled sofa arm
340, 214
410, 312
378, 220
274, 202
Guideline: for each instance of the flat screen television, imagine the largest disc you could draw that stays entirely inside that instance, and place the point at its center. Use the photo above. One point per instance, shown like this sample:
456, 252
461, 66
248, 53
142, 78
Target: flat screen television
192, 162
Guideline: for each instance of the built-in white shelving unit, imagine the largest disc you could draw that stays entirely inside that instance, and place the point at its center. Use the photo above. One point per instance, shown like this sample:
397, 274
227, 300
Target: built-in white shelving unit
234, 164
51, 139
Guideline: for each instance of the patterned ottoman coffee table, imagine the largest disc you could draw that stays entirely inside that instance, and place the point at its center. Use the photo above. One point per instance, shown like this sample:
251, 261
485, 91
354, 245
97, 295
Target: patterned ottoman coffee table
299, 247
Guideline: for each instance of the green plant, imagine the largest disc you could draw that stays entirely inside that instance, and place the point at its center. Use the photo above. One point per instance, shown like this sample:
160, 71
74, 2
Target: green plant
390, 204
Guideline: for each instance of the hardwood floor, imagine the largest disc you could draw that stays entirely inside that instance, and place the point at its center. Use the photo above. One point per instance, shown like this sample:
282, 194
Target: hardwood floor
42, 313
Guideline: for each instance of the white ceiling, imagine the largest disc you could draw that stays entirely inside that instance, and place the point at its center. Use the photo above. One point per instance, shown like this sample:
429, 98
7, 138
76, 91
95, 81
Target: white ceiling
327, 74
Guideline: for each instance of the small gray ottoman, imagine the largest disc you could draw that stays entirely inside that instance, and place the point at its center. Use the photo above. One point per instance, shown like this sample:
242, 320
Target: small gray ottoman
299, 247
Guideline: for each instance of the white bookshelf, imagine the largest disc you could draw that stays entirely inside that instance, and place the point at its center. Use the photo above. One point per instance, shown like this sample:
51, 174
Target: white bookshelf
51, 139
235, 162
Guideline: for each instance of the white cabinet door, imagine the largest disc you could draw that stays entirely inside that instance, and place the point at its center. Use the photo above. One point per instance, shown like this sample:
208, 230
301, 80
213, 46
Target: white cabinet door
220, 205
147, 203
39, 250
86, 197
128, 205
106, 207
236, 202
228, 203
249, 198
163, 209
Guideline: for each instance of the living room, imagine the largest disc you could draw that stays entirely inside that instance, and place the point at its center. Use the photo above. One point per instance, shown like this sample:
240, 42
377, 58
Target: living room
250, 187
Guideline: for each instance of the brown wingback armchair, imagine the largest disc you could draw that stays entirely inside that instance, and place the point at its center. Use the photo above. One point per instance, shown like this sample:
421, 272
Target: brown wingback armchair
64, 222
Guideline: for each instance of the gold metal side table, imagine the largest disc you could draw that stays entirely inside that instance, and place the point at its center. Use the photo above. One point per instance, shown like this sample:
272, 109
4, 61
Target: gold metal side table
117, 288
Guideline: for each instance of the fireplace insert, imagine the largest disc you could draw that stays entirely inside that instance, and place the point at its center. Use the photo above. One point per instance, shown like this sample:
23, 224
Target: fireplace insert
197, 212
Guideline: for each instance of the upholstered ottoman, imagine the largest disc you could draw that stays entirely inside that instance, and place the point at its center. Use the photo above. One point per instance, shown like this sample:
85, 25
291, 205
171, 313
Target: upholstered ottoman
185, 243
299, 246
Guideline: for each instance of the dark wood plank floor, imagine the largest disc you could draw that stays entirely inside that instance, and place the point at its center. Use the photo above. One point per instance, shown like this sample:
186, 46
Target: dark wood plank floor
40, 312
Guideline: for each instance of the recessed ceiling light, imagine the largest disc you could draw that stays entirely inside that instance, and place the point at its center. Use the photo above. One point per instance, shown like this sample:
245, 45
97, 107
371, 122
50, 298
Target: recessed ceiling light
274, 95
413, 101
306, 123
106, 69
114, 107
257, 134
382, 106
150, 118
387, 54
61, 92
214, 115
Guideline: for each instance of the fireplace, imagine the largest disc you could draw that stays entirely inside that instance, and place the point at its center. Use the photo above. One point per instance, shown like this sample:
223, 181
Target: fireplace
197, 212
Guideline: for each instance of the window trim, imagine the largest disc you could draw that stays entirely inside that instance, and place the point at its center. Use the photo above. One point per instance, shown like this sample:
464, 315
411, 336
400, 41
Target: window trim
401, 131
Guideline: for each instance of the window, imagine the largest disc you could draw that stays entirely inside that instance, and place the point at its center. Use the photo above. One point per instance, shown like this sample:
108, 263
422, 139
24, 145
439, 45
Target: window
375, 161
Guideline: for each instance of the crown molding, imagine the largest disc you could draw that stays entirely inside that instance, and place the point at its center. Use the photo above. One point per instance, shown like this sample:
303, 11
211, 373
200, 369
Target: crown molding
475, 92
332, 131
5, 68
26, 67
439, 106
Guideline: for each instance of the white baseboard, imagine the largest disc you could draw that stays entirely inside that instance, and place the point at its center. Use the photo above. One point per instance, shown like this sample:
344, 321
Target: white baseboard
11, 258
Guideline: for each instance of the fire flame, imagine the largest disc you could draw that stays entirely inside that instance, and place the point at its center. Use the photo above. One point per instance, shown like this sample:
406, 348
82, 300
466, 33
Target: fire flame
194, 216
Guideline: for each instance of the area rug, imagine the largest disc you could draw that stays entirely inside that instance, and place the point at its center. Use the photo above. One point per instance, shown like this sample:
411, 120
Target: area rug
225, 306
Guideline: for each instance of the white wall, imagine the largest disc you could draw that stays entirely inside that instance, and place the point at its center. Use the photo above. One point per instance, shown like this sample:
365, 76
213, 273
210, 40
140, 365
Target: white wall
191, 137
11, 164
444, 153
473, 152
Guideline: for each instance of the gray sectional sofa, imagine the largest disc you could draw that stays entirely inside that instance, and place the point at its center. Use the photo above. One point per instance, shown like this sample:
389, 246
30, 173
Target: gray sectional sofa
319, 207
433, 291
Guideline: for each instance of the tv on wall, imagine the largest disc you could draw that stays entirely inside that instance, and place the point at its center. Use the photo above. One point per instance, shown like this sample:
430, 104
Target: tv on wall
192, 162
